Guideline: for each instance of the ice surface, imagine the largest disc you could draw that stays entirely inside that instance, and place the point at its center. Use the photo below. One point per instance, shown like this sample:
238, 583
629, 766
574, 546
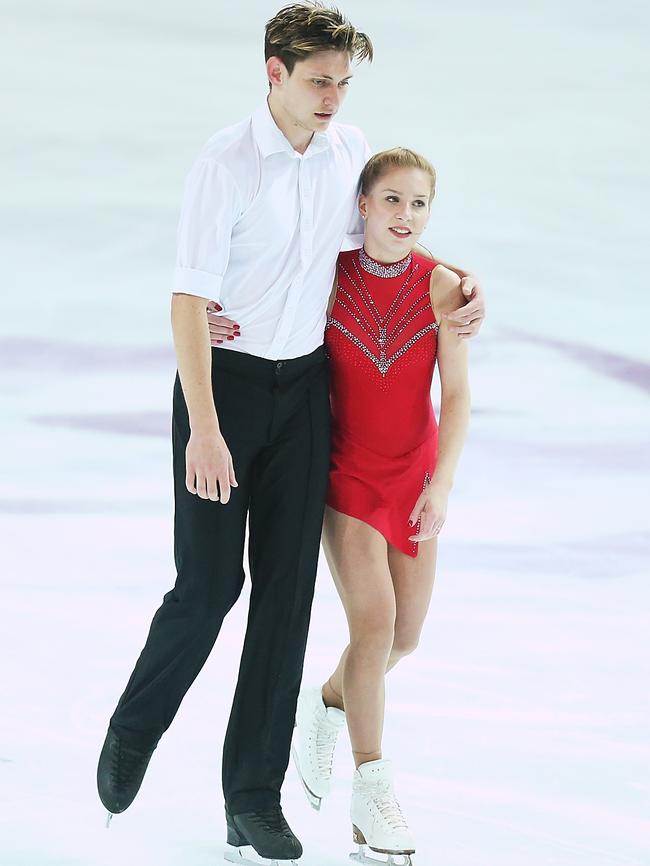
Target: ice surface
519, 728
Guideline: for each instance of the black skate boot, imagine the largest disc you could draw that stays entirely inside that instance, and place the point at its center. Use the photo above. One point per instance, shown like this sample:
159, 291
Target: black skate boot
120, 772
267, 831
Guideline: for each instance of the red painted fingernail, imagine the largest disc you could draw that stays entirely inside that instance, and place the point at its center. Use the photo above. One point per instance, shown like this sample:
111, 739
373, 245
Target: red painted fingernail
237, 333
231, 338
410, 523
219, 341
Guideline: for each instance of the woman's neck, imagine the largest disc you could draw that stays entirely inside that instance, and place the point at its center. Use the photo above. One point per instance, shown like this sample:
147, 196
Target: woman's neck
381, 254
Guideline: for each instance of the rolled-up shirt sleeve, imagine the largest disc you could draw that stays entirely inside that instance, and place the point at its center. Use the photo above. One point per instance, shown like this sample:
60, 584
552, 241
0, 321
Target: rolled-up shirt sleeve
210, 208
354, 234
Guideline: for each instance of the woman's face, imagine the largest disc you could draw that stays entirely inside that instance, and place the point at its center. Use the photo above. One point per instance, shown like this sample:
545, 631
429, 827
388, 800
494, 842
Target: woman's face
396, 211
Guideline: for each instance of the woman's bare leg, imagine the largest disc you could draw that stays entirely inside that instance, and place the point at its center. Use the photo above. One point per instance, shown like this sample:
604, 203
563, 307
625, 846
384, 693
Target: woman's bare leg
413, 580
357, 556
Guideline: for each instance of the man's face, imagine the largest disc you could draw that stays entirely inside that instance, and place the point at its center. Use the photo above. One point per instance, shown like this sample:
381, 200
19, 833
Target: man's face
315, 90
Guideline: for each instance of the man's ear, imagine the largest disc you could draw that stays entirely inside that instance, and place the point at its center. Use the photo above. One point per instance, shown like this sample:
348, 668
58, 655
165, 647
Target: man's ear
276, 71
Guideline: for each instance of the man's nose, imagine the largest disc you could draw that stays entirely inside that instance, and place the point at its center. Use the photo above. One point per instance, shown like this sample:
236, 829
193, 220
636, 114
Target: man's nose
332, 100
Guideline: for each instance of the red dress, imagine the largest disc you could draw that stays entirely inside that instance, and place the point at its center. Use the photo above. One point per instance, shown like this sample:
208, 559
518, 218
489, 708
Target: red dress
381, 338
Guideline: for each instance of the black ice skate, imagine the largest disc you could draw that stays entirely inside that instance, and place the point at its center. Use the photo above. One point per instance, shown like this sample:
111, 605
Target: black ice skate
261, 837
120, 772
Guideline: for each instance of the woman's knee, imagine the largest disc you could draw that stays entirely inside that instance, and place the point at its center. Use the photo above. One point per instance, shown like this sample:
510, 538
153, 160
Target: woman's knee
404, 643
374, 633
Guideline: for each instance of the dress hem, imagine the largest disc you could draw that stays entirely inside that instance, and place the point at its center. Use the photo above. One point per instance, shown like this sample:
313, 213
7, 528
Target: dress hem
380, 531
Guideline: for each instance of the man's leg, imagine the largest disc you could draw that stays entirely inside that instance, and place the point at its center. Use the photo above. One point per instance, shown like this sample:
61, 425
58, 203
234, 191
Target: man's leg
288, 487
208, 550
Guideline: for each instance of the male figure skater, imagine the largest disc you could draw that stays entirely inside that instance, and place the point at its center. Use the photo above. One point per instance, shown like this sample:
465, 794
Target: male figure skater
266, 209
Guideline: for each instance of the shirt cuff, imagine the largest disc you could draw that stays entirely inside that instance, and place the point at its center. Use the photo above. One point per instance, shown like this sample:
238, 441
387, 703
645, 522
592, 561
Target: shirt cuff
189, 281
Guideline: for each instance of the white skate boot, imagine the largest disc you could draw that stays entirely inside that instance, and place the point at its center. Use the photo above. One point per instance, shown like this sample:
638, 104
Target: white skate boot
377, 819
317, 728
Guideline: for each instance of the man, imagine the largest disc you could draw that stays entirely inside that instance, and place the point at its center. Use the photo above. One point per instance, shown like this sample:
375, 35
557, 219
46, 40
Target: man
267, 206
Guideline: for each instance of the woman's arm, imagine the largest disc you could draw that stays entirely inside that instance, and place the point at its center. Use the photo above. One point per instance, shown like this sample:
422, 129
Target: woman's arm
452, 356
468, 315
330, 303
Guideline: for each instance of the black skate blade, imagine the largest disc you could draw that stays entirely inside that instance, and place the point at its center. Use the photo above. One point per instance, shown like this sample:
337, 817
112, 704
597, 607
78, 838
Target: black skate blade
246, 855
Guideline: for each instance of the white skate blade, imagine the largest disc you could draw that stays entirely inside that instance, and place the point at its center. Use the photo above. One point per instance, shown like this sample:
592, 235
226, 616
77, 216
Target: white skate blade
314, 801
362, 856
109, 818
246, 855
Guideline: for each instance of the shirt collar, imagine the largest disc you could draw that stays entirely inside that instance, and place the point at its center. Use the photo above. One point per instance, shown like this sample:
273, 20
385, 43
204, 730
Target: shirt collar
270, 139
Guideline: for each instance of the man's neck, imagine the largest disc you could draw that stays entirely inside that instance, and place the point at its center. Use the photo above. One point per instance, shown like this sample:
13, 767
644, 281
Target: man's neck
298, 137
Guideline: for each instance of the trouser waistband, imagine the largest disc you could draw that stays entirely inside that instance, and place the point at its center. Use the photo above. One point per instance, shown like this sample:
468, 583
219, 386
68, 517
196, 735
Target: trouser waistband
266, 368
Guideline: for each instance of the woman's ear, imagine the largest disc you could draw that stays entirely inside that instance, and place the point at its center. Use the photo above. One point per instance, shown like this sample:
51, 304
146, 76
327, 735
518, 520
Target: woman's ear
363, 206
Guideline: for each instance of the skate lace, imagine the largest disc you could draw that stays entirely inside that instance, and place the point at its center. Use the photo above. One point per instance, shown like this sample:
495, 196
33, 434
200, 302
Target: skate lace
271, 820
128, 764
325, 743
389, 809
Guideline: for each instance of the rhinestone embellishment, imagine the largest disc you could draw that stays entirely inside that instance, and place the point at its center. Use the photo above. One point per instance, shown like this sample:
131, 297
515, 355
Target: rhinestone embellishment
383, 363
418, 525
396, 269
382, 331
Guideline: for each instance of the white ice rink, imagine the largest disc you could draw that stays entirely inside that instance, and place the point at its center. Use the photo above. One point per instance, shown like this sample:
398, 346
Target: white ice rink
520, 728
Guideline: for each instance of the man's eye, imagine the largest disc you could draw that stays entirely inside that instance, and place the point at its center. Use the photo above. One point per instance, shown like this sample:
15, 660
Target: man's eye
344, 84
318, 82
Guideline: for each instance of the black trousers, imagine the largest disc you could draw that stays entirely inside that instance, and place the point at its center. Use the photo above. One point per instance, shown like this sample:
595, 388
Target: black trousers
274, 416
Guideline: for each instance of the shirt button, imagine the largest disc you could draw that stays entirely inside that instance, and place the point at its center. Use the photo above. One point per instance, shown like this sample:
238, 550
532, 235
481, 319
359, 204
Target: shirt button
279, 365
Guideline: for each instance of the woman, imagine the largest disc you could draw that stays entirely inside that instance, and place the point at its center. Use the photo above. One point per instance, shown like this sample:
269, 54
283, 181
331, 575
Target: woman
390, 476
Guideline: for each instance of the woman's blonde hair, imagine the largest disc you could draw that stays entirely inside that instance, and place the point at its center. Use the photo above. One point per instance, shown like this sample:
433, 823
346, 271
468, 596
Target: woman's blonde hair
396, 157
302, 29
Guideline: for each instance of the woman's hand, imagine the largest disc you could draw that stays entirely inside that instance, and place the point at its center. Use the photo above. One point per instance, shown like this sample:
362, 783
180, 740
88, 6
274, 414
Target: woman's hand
221, 328
467, 320
431, 510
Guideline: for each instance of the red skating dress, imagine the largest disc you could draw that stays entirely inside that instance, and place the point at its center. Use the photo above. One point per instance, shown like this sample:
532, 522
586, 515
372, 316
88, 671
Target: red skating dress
381, 339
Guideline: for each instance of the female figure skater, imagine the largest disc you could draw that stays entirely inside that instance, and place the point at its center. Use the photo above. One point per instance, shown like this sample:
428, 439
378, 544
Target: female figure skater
391, 472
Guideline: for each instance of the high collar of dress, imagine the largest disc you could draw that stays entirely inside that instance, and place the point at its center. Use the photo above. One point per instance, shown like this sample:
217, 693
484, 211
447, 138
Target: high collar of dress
379, 269
270, 138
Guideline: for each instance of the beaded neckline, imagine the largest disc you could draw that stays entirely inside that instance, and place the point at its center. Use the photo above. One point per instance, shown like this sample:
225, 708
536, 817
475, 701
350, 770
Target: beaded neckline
372, 266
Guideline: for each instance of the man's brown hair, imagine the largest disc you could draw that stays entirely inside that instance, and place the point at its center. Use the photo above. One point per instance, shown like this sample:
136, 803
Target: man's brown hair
302, 29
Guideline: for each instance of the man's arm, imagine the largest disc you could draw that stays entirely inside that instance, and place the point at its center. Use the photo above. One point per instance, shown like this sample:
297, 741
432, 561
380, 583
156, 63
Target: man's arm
209, 467
466, 321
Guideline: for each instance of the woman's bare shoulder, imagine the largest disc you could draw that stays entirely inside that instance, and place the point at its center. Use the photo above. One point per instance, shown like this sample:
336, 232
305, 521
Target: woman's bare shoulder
446, 294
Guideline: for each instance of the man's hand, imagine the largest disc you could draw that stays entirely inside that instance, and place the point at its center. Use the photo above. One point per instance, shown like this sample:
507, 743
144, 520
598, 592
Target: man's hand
209, 471
467, 320
221, 328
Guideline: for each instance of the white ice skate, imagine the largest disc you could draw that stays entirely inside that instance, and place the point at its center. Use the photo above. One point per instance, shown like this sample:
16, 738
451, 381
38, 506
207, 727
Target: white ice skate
377, 820
317, 728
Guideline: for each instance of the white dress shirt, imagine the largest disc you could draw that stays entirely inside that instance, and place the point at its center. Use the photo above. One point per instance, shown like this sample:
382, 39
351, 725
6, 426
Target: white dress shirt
261, 227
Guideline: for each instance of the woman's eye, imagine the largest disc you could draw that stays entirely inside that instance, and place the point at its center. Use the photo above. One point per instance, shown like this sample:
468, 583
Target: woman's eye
419, 202
391, 198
